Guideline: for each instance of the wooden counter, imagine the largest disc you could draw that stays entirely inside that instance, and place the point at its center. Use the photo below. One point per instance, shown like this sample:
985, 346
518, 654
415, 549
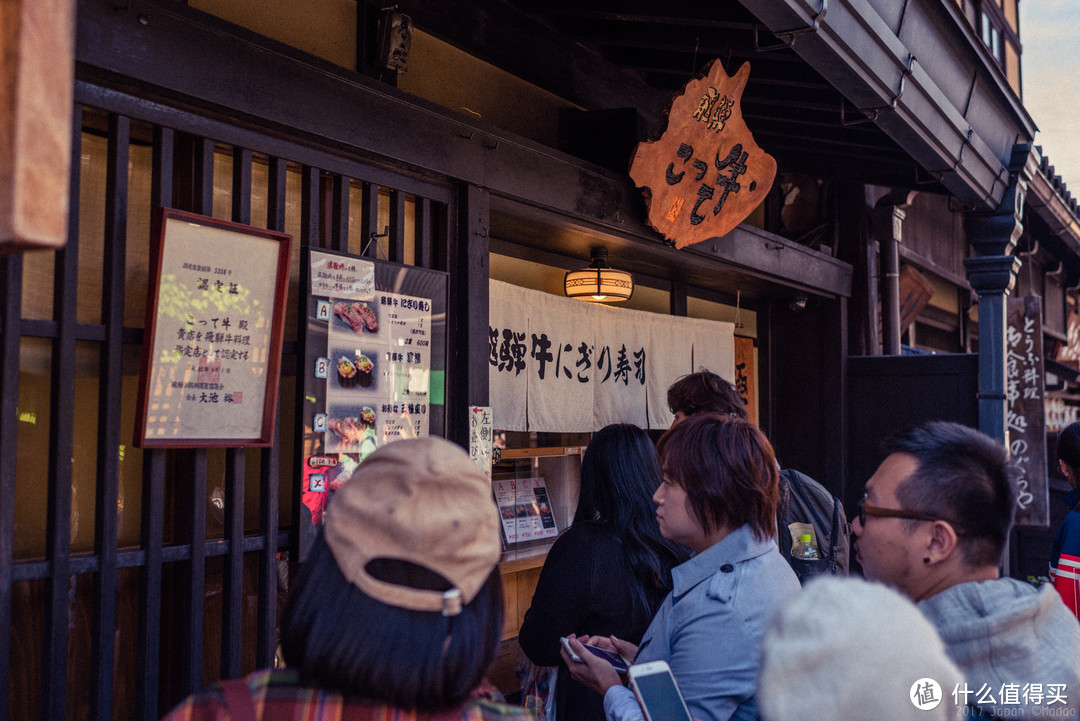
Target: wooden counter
520, 571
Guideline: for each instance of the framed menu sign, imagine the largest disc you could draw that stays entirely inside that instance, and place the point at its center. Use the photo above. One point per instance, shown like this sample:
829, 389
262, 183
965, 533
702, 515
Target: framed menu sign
214, 323
374, 367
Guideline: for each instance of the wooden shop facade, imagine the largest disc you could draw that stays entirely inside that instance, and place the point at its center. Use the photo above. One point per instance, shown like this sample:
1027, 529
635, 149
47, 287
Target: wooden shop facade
453, 162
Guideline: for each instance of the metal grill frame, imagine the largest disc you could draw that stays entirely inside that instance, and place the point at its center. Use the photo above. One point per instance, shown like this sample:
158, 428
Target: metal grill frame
327, 175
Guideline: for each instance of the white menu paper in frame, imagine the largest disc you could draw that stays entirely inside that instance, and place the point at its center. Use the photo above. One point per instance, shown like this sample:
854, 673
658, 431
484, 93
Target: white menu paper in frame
525, 509
212, 358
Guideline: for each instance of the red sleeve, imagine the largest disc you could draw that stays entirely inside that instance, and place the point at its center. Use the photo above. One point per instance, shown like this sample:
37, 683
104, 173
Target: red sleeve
1066, 577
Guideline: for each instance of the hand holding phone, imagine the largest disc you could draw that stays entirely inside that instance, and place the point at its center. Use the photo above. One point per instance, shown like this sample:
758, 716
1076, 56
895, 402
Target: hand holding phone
618, 662
656, 691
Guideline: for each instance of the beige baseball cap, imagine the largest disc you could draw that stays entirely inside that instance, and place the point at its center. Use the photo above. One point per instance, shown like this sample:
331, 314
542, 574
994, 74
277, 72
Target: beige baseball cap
420, 500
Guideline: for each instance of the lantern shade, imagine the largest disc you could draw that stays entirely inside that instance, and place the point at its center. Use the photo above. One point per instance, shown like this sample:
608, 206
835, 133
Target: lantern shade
599, 284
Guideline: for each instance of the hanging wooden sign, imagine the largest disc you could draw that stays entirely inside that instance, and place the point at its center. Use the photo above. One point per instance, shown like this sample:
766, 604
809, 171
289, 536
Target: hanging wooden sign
745, 381
37, 80
706, 173
1026, 420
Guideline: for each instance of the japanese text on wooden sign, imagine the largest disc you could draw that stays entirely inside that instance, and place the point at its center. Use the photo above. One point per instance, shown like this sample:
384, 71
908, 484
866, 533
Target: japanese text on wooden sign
706, 174
1026, 423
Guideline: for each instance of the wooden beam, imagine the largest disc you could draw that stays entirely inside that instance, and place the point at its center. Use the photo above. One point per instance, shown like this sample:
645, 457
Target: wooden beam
37, 74
499, 33
520, 178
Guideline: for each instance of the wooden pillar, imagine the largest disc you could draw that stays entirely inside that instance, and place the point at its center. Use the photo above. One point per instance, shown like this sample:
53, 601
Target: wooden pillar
37, 81
469, 267
888, 225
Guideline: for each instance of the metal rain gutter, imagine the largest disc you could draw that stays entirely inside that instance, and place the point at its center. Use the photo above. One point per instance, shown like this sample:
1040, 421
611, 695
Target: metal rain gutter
1043, 197
963, 145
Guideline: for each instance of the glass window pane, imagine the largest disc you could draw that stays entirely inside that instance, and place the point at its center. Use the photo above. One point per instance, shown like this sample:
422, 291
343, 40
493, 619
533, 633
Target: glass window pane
91, 226
27, 629
37, 286
260, 181
32, 448
84, 455
223, 168
139, 232
129, 504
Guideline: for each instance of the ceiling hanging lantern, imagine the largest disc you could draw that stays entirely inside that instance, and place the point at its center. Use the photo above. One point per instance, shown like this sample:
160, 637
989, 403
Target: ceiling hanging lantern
599, 283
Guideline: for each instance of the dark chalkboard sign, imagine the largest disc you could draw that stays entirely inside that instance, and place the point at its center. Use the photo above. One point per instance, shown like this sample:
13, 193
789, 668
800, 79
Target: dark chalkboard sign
1026, 424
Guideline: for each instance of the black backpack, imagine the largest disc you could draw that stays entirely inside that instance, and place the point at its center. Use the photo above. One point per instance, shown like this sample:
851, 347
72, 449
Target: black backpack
804, 500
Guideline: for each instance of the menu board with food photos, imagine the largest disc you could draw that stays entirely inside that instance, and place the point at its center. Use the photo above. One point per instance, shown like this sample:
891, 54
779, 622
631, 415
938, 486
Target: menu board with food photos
525, 509
377, 368
375, 357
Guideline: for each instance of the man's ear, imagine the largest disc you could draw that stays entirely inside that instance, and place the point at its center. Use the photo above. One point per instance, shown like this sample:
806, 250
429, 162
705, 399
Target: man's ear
942, 542
1063, 467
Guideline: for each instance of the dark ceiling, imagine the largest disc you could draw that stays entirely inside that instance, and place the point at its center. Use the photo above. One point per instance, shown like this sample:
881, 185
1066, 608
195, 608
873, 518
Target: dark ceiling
608, 54
795, 115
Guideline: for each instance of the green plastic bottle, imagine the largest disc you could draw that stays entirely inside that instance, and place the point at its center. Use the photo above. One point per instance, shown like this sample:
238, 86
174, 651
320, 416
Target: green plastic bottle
805, 558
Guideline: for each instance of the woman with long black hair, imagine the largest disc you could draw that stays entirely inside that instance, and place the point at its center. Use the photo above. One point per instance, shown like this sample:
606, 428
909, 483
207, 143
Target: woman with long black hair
609, 572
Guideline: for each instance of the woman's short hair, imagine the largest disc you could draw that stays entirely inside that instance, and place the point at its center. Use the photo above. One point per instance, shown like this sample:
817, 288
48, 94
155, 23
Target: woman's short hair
343, 640
728, 469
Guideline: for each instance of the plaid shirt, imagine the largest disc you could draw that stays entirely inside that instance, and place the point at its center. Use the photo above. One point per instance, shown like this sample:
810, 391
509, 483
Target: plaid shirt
278, 696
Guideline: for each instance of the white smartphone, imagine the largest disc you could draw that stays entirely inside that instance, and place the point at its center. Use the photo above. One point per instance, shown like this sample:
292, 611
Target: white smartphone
617, 661
656, 691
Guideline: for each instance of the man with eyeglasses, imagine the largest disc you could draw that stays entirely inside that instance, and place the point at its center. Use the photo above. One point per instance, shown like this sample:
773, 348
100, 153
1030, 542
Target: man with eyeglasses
933, 524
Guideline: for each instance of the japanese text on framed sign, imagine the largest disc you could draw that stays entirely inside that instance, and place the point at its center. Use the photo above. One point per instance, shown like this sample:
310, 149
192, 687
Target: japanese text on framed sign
211, 361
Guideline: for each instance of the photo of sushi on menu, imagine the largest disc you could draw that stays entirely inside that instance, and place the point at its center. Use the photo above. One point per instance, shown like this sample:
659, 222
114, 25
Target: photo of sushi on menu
353, 368
378, 366
352, 430
359, 316
525, 509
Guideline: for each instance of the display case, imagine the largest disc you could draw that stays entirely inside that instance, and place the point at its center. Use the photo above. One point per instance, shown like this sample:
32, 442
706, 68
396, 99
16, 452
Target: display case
536, 478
